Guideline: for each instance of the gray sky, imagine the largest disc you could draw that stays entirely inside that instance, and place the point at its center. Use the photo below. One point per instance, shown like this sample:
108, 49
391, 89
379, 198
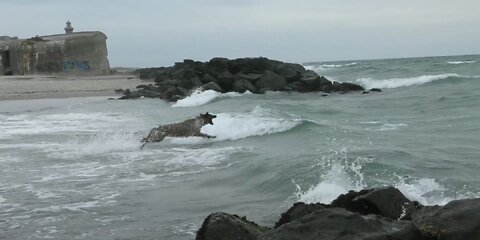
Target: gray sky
160, 32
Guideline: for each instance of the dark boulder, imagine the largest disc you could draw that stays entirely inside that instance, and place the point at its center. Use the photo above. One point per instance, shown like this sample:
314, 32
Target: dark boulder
225, 80
252, 65
375, 90
387, 202
218, 63
261, 73
175, 93
296, 86
243, 85
312, 82
345, 87
338, 223
208, 78
212, 86
224, 226
251, 77
297, 211
187, 78
458, 220
271, 81
289, 71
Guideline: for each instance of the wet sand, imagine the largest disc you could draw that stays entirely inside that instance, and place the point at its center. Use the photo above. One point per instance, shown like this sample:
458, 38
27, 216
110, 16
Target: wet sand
41, 87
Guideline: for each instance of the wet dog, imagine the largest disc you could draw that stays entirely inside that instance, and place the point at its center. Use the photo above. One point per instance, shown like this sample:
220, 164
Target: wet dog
187, 128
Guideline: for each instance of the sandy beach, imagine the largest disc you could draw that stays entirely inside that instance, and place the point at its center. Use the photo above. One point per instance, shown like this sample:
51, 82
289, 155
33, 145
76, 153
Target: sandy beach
41, 87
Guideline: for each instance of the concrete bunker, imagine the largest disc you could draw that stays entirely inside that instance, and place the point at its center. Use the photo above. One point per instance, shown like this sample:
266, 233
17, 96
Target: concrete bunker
72, 53
5, 65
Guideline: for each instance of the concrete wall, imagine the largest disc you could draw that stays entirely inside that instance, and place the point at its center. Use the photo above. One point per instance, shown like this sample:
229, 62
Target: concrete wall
82, 53
86, 54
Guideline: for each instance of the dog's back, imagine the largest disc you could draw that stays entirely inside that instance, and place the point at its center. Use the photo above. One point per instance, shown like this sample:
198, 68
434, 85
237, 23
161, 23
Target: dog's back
187, 128
190, 127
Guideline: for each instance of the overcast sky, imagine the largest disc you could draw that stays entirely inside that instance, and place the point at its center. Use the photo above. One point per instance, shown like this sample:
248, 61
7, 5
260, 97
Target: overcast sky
160, 32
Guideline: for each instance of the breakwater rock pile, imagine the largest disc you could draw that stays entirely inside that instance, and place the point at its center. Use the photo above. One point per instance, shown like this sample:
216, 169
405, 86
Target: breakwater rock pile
373, 214
256, 75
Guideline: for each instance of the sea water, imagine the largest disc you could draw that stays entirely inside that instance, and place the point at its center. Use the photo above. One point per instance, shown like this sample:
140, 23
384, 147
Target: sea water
73, 168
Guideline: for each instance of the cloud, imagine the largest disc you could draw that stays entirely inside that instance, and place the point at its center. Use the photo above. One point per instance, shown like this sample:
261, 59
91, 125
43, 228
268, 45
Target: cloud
149, 33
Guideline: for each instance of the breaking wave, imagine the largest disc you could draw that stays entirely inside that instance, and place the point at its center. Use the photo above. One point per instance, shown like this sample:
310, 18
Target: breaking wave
405, 82
323, 67
461, 62
342, 175
200, 97
233, 126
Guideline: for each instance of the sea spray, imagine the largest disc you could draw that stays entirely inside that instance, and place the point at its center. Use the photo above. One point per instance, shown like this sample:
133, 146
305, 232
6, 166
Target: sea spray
258, 122
200, 97
340, 174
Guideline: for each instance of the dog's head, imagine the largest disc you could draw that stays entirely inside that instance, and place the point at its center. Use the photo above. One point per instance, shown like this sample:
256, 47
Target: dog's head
207, 118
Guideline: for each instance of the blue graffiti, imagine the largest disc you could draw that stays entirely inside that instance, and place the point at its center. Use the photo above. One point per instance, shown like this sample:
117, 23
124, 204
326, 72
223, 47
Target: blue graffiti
82, 66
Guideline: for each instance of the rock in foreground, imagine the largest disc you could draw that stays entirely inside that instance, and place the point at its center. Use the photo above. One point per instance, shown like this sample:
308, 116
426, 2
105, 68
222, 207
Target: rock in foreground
256, 75
379, 213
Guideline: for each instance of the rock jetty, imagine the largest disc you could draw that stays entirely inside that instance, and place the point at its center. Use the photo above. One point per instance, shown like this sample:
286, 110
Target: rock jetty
373, 214
256, 75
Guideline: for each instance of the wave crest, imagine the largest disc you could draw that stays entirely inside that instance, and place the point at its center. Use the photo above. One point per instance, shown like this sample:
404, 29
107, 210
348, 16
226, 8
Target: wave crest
200, 97
323, 67
461, 62
342, 174
259, 122
405, 82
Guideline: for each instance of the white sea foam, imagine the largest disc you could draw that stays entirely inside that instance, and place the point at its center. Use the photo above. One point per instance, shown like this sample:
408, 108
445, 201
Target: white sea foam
99, 143
404, 82
200, 97
341, 176
233, 126
74, 207
2, 200
56, 123
461, 62
40, 193
323, 67
335, 182
203, 157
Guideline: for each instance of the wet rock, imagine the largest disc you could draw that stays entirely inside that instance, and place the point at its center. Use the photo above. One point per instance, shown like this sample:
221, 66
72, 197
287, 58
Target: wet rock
375, 90
175, 93
378, 213
312, 82
243, 85
271, 81
253, 74
297, 211
207, 78
458, 220
338, 223
386, 201
345, 87
289, 71
225, 80
212, 86
251, 77
224, 226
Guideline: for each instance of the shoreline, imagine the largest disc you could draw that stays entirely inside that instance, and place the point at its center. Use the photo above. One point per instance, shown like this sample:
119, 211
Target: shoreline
28, 87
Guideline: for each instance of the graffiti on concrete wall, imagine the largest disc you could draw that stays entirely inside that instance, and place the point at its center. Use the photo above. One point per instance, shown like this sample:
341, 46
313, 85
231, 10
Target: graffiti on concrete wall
82, 66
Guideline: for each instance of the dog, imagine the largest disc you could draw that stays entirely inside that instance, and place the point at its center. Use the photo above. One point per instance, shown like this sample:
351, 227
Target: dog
187, 128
